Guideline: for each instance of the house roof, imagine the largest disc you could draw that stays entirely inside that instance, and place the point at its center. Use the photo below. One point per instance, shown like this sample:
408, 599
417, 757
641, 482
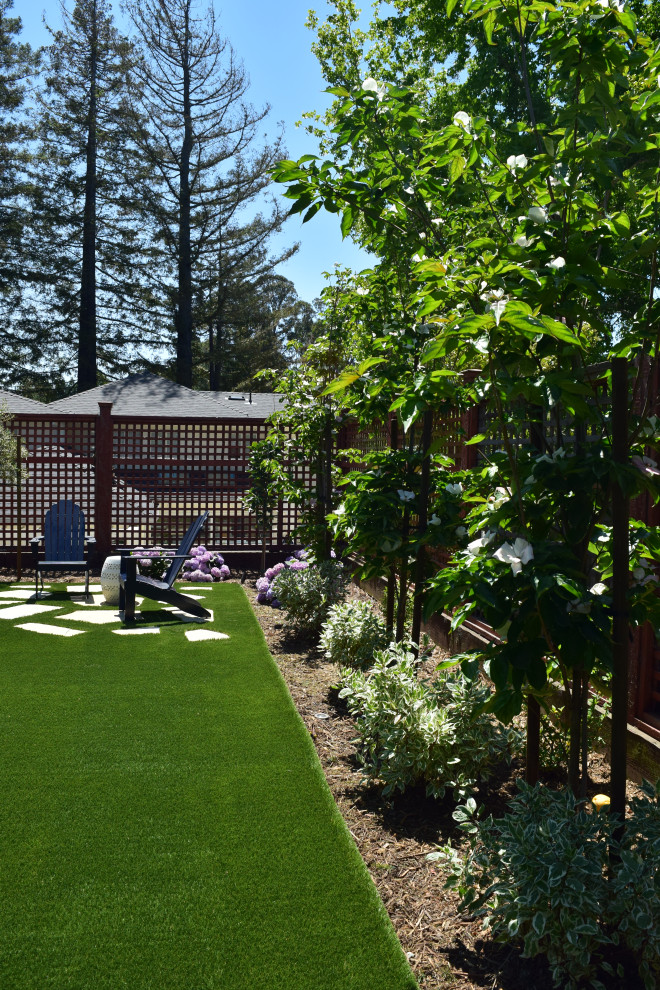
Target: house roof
18, 404
257, 405
149, 395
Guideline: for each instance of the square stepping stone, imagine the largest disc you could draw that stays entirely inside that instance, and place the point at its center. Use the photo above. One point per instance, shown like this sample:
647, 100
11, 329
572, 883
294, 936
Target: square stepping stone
136, 632
73, 588
19, 593
42, 627
23, 611
197, 635
95, 618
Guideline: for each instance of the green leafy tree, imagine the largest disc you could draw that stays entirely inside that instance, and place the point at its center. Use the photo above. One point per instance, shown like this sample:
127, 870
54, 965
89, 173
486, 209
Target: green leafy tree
526, 243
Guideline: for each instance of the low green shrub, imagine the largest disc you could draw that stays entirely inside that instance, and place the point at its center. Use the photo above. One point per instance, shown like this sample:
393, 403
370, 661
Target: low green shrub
352, 633
543, 873
415, 731
305, 596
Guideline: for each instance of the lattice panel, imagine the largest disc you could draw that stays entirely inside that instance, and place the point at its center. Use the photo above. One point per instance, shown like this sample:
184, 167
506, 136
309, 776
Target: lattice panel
165, 473
59, 461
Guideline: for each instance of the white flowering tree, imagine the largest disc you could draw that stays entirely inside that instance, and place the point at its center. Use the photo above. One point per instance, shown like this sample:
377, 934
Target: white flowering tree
519, 238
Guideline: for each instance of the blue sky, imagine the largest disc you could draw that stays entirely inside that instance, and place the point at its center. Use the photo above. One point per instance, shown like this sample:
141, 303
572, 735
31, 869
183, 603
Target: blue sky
274, 44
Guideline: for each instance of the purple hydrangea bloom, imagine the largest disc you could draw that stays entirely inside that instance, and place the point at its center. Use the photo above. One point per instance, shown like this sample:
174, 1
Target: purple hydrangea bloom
216, 573
270, 573
143, 561
262, 598
277, 569
198, 551
301, 554
189, 565
204, 567
298, 565
218, 561
263, 584
198, 576
275, 604
224, 570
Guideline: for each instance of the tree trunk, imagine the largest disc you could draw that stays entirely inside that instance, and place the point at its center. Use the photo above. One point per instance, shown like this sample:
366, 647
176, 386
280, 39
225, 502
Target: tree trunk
184, 293
87, 321
620, 579
420, 561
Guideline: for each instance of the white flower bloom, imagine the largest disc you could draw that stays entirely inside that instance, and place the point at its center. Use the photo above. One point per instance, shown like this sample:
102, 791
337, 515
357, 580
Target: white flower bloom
524, 242
556, 263
409, 190
516, 161
405, 496
516, 554
598, 589
583, 607
391, 208
498, 498
476, 546
464, 120
371, 86
537, 214
437, 221
361, 291
454, 489
460, 531
434, 520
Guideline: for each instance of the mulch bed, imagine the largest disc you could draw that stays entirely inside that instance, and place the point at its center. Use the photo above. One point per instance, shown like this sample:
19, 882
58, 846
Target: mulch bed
445, 949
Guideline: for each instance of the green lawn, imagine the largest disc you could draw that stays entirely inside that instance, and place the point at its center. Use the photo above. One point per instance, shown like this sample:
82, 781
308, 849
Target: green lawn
165, 819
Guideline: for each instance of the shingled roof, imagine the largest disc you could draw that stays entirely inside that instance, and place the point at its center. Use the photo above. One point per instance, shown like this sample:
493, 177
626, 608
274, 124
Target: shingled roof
18, 404
149, 395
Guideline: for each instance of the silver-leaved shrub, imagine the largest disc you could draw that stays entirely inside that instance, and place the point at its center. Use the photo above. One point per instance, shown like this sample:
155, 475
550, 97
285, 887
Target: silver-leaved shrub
306, 596
418, 731
352, 633
559, 878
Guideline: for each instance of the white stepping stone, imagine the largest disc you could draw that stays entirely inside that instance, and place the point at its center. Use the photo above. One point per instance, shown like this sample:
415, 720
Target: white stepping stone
96, 618
176, 613
198, 587
135, 632
19, 593
93, 588
42, 627
197, 635
21, 584
97, 600
200, 598
23, 611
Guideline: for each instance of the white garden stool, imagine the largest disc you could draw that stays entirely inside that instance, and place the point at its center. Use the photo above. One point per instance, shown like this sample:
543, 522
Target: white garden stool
110, 580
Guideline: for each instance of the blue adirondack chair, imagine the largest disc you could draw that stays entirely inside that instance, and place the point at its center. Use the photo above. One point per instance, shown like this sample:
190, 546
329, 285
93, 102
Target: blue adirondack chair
130, 582
66, 546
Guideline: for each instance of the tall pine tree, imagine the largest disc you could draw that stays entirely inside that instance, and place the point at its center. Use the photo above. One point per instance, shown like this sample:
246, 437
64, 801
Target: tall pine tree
198, 136
92, 241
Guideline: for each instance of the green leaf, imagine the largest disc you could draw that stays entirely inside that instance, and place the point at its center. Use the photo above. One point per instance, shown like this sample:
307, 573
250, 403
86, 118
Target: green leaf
456, 168
450, 7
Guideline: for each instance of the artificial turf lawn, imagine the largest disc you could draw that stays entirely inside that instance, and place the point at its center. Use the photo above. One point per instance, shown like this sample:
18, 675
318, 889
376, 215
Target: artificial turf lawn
166, 822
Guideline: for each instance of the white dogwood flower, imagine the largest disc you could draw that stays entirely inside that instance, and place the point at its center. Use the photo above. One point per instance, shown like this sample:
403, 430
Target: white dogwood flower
476, 546
404, 495
454, 489
556, 263
463, 120
524, 242
598, 588
516, 554
537, 214
371, 86
515, 162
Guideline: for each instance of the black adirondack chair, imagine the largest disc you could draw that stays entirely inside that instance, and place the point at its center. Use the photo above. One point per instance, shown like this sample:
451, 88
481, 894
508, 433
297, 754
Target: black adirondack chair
66, 546
132, 583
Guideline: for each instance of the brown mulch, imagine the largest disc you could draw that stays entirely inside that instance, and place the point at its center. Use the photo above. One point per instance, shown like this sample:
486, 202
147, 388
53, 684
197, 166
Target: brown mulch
445, 949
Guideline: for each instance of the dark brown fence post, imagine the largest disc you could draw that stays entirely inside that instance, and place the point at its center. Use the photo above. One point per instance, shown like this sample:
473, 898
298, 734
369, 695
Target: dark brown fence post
103, 486
468, 456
